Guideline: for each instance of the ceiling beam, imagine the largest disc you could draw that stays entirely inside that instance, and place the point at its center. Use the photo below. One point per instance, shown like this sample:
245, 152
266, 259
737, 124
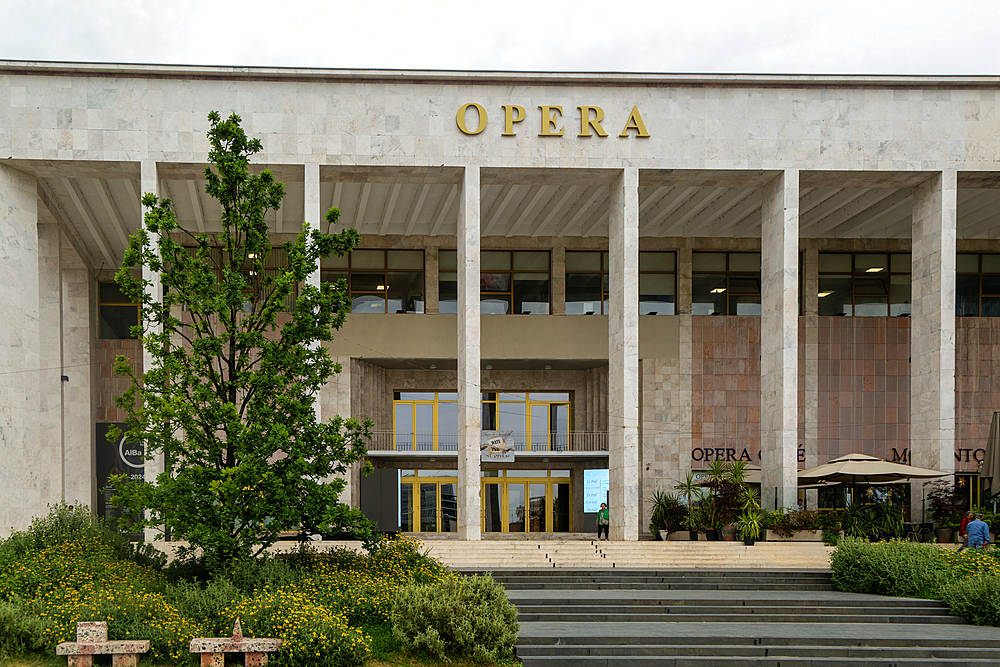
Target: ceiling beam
665, 207
978, 213
556, 211
104, 193
716, 207
744, 207
815, 197
498, 210
62, 218
79, 201
359, 218
452, 194
594, 197
389, 208
528, 210
415, 209
692, 205
893, 200
199, 212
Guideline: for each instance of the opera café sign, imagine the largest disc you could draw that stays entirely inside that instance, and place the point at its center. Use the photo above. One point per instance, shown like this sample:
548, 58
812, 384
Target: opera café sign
472, 119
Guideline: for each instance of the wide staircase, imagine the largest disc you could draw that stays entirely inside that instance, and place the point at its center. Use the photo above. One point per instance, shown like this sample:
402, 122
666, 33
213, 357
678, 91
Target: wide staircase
779, 618
504, 554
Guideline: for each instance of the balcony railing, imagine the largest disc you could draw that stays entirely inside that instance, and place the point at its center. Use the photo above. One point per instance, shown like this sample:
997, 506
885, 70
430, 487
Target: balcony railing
432, 441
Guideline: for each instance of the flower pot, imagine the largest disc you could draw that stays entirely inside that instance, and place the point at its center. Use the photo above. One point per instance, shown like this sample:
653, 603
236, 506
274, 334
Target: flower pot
712, 535
749, 541
693, 535
943, 535
729, 533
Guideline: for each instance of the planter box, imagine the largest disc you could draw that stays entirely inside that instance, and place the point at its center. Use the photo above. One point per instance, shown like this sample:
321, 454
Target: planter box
676, 536
797, 536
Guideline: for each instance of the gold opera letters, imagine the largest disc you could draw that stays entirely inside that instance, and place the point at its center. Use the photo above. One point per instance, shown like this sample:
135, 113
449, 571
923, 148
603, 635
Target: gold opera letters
550, 116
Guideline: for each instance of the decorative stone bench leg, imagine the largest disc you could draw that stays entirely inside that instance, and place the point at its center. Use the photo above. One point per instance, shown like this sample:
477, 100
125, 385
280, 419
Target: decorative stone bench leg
213, 659
254, 659
81, 661
124, 660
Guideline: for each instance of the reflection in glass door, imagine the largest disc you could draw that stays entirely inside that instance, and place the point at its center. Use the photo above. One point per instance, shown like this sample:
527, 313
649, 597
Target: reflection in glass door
406, 508
559, 427
428, 507
492, 509
515, 508
536, 508
449, 508
560, 508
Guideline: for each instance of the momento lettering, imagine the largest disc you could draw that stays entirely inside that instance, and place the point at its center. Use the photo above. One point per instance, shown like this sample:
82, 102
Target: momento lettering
551, 122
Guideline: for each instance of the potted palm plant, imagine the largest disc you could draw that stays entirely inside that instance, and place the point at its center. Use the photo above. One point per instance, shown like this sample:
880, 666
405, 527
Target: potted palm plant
750, 521
690, 489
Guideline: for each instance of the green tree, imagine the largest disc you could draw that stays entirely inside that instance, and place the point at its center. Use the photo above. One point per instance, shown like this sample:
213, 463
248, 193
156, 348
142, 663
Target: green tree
230, 395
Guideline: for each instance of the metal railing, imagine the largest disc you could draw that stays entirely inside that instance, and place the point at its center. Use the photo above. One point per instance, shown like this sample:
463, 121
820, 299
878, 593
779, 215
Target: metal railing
431, 441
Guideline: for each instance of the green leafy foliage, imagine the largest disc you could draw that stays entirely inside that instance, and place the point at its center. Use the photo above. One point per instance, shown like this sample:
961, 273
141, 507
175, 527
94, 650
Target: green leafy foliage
469, 619
902, 569
975, 598
230, 395
22, 629
669, 513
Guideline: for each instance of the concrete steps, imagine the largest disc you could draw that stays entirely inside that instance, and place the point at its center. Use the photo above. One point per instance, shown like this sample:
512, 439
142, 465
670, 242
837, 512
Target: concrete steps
730, 617
613, 555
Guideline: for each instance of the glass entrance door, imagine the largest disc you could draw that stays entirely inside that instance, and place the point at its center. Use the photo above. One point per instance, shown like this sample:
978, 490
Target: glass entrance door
519, 501
428, 501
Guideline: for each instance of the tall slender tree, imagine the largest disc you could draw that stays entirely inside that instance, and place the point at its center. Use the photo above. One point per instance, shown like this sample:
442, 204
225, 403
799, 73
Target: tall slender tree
237, 365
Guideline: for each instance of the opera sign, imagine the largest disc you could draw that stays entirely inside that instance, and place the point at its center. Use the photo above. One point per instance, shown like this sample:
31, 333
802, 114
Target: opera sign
550, 120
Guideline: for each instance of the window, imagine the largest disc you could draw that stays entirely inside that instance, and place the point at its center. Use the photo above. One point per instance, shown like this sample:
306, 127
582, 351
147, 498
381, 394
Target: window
587, 283
509, 282
977, 285
275, 262
118, 313
864, 284
536, 421
725, 283
380, 281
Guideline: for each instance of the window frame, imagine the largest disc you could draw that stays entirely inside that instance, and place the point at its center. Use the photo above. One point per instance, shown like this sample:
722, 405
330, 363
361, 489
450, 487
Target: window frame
856, 273
116, 304
729, 275
605, 280
349, 272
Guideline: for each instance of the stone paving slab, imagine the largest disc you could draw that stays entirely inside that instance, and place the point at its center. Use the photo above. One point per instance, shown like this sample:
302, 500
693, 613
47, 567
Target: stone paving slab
849, 632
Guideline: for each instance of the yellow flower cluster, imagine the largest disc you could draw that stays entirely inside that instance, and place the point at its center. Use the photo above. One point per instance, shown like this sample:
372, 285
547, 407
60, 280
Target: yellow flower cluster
82, 581
972, 562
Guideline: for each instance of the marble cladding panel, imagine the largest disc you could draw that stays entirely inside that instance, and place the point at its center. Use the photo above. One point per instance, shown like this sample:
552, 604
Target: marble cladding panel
977, 385
109, 385
863, 386
403, 121
26, 471
664, 431
725, 385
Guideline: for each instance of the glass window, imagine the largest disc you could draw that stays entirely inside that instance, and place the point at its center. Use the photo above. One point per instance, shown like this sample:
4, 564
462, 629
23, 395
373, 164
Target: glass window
118, 313
587, 283
725, 283
380, 281
509, 282
977, 285
864, 284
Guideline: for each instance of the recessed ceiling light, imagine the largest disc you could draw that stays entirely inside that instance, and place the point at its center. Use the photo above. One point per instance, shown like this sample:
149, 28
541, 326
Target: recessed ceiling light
489, 367
718, 290
547, 367
433, 366
874, 269
822, 294
380, 288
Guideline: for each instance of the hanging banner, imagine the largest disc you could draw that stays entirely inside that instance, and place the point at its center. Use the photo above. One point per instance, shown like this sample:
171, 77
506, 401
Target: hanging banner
494, 449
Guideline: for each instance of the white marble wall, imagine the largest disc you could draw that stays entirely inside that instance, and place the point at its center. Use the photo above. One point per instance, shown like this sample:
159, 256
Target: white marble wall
25, 473
623, 356
469, 353
779, 340
932, 328
665, 437
94, 112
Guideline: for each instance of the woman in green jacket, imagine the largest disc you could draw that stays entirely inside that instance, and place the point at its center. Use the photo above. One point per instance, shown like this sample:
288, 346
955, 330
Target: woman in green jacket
603, 521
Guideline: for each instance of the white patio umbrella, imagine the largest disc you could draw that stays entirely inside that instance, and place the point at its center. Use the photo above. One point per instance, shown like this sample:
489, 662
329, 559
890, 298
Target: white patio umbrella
864, 469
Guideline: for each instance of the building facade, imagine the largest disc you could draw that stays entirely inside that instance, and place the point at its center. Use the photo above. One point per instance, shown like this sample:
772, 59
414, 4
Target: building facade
636, 274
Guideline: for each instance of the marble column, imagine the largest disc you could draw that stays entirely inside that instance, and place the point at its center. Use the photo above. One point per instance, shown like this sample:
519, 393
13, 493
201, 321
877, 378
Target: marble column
932, 329
469, 353
24, 468
557, 270
779, 346
809, 334
684, 287
623, 356
431, 267
312, 211
149, 183
50, 355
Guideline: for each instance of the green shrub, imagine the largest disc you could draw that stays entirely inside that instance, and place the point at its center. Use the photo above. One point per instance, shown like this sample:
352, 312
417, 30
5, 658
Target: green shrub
976, 598
470, 618
22, 630
205, 604
902, 569
311, 635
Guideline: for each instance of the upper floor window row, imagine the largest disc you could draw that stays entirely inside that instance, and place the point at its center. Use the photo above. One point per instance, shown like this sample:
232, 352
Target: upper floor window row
977, 285
510, 281
380, 281
864, 284
725, 283
587, 283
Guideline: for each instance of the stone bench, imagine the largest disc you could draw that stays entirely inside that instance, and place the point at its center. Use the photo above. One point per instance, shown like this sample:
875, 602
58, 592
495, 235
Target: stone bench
92, 639
213, 650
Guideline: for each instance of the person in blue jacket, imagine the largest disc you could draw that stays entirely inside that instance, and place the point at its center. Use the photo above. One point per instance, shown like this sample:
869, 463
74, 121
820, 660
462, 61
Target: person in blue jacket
979, 533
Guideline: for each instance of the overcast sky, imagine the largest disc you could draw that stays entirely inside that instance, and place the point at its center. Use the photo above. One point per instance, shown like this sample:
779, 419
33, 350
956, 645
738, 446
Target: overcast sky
804, 36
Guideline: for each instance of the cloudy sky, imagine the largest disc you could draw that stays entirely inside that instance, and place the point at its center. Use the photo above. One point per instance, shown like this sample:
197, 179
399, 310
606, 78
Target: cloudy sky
804, 36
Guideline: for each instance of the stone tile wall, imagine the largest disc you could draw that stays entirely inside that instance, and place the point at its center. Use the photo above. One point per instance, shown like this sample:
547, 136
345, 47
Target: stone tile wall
725, 386
110, 385
977, 386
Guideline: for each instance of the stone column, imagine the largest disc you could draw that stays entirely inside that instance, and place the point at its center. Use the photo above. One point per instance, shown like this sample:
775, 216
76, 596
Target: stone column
78, 334
557, 271
432, 266
684, 297
149, 183
469, 353
932, 329
623, 356
312, 212
779, 345
49, 375
809, 335
24, 466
